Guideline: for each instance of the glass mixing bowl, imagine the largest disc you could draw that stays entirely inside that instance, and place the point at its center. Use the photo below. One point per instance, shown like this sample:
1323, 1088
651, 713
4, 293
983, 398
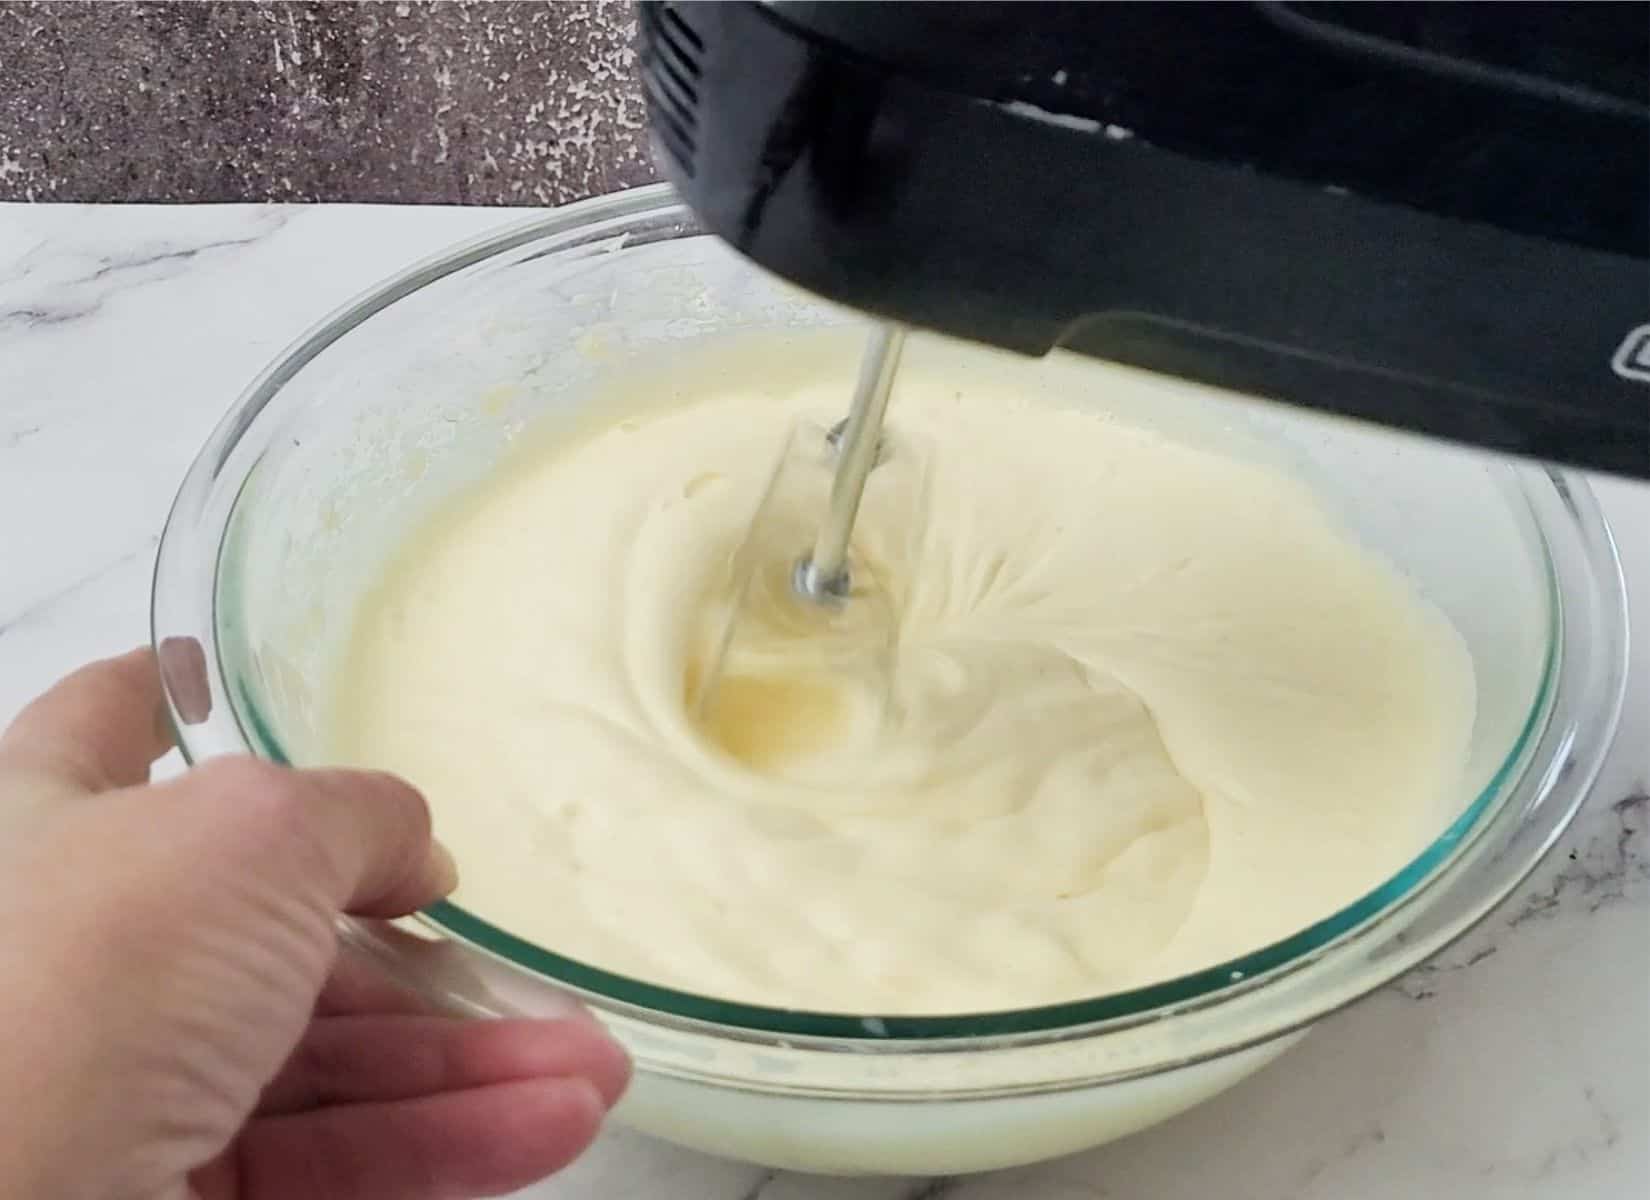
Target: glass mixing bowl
415, 391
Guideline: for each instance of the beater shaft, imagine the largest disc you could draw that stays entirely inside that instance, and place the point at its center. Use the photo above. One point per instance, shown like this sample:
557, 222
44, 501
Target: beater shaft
823, 575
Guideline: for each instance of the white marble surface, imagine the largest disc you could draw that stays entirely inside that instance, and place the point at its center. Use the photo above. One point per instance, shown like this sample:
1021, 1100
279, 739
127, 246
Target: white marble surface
1515, 1067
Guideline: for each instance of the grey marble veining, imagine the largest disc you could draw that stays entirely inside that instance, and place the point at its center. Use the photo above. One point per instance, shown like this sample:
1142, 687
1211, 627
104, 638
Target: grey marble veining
442, 103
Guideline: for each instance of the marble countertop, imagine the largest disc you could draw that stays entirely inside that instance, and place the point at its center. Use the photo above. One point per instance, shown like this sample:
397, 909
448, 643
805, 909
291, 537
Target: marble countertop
1514, 1067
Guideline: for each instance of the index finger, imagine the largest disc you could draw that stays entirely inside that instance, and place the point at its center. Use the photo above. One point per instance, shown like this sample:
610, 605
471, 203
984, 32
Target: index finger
98, 729
356, 842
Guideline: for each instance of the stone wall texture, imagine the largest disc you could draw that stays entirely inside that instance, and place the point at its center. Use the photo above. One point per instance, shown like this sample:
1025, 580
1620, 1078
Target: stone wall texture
450, 103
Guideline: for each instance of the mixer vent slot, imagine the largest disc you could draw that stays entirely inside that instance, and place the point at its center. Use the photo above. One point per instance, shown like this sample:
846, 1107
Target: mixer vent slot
672, 51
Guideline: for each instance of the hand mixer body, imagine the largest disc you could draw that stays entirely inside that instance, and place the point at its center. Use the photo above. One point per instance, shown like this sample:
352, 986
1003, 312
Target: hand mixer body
1433, 216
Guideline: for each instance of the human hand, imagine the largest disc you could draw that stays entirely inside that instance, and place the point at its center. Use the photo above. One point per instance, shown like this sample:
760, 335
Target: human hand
177, 1020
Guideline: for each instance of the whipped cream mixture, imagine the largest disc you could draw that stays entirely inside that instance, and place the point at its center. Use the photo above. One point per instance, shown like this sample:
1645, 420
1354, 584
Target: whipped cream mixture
1108, 707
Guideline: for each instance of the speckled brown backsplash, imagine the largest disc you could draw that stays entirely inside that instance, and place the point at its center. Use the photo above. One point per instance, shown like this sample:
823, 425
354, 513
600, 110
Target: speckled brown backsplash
447, 103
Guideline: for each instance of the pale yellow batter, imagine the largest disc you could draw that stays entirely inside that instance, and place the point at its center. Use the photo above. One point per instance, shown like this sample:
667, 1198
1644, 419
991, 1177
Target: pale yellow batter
1113, 708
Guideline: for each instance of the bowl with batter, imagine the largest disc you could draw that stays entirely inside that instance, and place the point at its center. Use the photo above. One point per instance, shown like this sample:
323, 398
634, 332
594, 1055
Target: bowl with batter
1160, 724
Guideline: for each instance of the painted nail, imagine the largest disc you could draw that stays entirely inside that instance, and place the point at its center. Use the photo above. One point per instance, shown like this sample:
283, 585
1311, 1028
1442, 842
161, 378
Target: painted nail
443, 868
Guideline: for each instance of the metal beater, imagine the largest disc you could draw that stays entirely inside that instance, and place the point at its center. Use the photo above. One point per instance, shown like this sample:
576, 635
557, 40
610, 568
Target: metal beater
822, 576
753, 634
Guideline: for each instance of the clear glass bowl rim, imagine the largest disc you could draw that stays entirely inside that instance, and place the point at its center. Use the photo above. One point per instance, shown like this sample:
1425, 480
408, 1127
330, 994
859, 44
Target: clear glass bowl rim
245, 730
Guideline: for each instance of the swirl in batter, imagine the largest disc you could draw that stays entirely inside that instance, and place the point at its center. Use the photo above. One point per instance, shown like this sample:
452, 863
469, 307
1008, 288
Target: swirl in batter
1111, 707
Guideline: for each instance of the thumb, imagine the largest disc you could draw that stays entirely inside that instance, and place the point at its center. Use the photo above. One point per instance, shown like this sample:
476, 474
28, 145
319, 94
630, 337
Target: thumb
98, 729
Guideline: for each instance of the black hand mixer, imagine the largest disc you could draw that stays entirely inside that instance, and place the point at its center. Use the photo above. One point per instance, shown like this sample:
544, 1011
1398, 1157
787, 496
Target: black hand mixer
1434, 216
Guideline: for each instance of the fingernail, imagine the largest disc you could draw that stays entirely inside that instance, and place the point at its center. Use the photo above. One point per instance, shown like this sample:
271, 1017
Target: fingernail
443, 868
